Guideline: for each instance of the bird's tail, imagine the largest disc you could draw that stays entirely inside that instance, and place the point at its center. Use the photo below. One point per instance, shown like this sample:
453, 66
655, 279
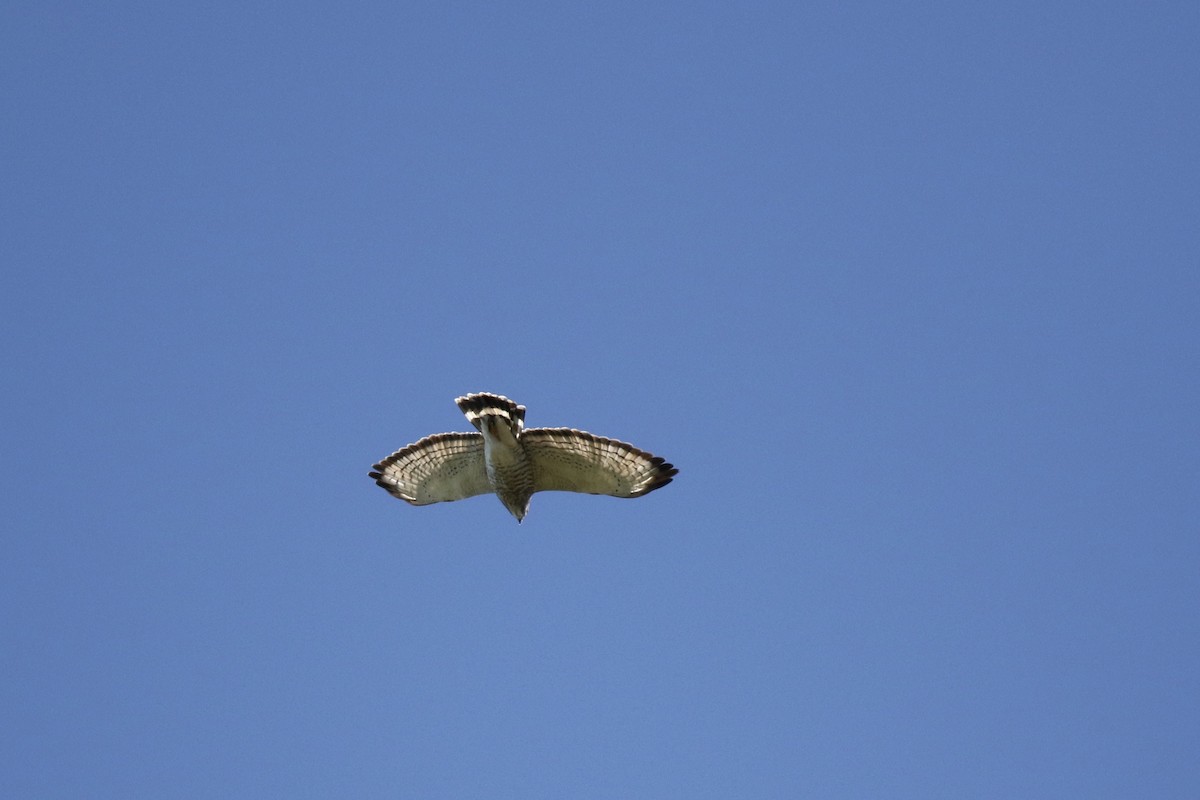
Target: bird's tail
482, 404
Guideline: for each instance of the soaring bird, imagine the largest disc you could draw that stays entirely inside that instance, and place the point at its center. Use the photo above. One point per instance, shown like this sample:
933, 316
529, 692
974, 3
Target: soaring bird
514, 462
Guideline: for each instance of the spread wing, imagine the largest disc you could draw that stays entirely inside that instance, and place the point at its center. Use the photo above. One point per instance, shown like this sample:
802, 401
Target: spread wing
445, 466
567, 460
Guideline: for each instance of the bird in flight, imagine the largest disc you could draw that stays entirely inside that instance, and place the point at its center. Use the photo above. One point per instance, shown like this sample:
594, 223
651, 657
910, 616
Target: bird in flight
513, 461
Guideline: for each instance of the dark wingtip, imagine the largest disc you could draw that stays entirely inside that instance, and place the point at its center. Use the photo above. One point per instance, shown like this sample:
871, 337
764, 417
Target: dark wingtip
664, 473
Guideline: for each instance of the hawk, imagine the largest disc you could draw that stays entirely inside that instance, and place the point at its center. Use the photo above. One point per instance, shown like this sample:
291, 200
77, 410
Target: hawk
514, 462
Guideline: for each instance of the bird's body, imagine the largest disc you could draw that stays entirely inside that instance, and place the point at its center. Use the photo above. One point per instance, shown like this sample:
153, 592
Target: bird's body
514, 462
506, 464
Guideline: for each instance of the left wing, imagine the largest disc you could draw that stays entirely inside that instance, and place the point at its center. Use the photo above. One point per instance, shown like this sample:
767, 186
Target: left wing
445, 466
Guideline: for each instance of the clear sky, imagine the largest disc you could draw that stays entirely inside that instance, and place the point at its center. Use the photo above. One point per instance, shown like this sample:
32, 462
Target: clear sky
908, 292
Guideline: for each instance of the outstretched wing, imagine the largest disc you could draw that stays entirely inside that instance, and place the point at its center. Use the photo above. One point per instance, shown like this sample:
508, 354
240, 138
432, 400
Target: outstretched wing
445, 466
567, 460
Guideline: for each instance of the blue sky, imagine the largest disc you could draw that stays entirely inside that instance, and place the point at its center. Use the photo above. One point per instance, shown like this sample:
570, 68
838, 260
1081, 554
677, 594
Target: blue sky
908, 292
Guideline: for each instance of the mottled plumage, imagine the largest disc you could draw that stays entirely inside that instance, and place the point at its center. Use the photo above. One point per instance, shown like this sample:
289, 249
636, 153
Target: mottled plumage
505, 458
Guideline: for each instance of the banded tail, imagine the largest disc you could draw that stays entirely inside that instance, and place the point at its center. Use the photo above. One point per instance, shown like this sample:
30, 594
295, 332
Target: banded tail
481, 405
